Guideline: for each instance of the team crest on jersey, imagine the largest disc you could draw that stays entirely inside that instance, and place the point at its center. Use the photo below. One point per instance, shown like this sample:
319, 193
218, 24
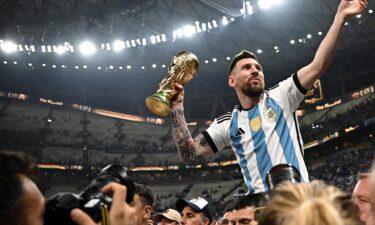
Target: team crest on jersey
270, 114
255, 124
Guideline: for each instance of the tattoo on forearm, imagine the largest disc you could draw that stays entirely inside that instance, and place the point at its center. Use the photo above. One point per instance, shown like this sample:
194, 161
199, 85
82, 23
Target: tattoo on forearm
182, 137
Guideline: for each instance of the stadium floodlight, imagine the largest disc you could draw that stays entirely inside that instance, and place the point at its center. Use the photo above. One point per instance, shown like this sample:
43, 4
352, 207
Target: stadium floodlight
228, 58
214, 23
163, 66
120, 67
309, 36
59, 50
153, 39
206, 61
292, 42
30, 64
224, 21
370, 11
163, 38
128, 67
118, 45
9, 47
259, 51
87, 48
153, 65
214, 59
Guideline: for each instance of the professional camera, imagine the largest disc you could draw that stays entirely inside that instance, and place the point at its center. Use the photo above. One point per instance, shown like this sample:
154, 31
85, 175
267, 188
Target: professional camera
280, 173
91, 200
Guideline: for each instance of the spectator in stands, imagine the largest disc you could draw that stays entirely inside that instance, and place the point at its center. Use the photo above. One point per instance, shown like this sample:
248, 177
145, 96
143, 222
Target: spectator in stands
168, 217
361, 198
195, 211
262, 130
142, 203
244, 210
312, 203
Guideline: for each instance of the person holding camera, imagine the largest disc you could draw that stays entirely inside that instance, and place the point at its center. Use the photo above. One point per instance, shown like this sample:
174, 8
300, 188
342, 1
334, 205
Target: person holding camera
263, 129
121, 213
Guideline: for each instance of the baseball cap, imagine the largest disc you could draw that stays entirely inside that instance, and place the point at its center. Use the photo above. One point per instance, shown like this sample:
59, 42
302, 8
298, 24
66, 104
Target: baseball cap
169, 214
198, 204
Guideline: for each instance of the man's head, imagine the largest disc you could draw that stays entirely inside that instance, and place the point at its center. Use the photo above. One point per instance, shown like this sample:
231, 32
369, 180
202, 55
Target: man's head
246, 75
168, 217
142, 203
227, 218
195, 211
361, 195
20, 200
244, 211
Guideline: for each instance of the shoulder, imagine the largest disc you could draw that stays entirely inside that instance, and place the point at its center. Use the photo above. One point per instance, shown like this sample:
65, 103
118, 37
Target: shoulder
228, 115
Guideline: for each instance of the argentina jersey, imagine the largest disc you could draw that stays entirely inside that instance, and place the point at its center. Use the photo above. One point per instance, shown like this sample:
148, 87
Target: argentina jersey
263, 136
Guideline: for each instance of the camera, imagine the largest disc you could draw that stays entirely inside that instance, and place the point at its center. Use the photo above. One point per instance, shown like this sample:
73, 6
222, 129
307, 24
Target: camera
91, 200
280, 173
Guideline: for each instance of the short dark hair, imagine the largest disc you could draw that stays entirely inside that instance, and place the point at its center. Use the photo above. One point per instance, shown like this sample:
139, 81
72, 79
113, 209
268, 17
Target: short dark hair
145, 192
250, 200
12, 164
242, 55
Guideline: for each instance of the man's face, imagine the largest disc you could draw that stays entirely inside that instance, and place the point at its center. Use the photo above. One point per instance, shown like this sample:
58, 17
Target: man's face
227, 218
361, 197
244, 216
142, 212
166, 221
32, 203
247, 77
190, 217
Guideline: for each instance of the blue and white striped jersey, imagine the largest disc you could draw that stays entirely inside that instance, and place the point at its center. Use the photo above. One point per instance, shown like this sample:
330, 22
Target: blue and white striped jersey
263, 136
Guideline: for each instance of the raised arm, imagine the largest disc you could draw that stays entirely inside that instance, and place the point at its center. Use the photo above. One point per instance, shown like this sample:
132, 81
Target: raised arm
190, 149
323, 57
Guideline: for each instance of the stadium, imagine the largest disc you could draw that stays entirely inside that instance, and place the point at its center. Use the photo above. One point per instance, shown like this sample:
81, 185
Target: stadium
74, 76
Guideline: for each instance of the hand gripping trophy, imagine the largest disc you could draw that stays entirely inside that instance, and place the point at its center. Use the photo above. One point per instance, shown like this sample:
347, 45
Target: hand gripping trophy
182, 69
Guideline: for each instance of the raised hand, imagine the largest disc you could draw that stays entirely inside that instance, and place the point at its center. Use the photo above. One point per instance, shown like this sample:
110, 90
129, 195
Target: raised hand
349, 8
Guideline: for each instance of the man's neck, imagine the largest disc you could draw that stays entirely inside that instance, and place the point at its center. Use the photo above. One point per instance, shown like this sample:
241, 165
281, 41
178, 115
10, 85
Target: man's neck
249, 102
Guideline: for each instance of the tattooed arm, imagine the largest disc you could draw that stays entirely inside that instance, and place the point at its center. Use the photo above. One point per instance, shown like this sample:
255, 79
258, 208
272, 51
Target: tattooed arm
189, 149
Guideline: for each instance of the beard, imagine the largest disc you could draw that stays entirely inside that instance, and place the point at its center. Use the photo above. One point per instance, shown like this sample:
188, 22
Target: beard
253, 91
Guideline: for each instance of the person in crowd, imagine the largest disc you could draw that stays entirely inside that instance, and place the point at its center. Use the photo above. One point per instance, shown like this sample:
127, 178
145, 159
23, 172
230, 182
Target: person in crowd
195, 211
361, 198
314, 203
263, 130
21, 202
142, 203
168, 217
228, 217
244, 211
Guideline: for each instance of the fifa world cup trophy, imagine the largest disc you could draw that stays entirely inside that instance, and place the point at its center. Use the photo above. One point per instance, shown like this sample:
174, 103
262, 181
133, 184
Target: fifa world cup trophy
182, 69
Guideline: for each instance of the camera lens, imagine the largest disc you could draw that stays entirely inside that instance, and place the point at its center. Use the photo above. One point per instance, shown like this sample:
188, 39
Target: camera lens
280, 173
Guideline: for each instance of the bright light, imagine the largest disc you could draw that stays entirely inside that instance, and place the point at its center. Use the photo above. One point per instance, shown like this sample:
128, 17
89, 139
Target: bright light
265, 4
153, 39
43, 64
206, 61
15, 62
153, 65
87, 48
118, 45
128, 67
9, 47
224, 21
143, 67
99, 67
163, 66
111, 67
309, 36
120, 67
276, 47
54, 66
60, 50
30, 64
259, 51
292, 42
5, 62
228, 58
189, 30
358, 16
370, 11
214, 60
84, 67
320, 33
76, 67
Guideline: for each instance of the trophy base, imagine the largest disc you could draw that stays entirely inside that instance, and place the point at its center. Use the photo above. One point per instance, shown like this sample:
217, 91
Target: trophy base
159, 104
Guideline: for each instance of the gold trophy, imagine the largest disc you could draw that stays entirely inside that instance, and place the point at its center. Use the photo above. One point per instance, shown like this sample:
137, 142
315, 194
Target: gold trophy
182, 69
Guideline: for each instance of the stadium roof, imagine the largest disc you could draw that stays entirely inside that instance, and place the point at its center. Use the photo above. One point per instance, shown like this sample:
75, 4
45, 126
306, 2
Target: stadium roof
158, 29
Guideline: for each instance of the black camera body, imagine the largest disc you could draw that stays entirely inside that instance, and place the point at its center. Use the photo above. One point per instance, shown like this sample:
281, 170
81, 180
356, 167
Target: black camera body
91, 200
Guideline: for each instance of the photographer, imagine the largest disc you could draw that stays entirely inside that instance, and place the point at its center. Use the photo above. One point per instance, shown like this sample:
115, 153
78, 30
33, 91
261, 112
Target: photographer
21, 202
121, 213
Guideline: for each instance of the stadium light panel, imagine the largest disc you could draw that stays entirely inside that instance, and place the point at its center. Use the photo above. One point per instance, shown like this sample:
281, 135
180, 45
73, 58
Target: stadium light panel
118, 45
9, 47
370, 11
60, 50
153, 65
292, 42
224, 21
163, 38
189, 31
128, 67
87, 48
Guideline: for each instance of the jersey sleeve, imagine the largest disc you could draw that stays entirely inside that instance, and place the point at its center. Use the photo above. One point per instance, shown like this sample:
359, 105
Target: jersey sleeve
217, 135
290, 92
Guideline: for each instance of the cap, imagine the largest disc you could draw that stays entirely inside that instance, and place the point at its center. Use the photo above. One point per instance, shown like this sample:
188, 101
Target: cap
169, 214
198, 204
242, 55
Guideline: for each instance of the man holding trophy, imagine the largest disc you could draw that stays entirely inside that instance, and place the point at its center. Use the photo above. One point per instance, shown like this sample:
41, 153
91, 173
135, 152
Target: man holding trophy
263, 130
